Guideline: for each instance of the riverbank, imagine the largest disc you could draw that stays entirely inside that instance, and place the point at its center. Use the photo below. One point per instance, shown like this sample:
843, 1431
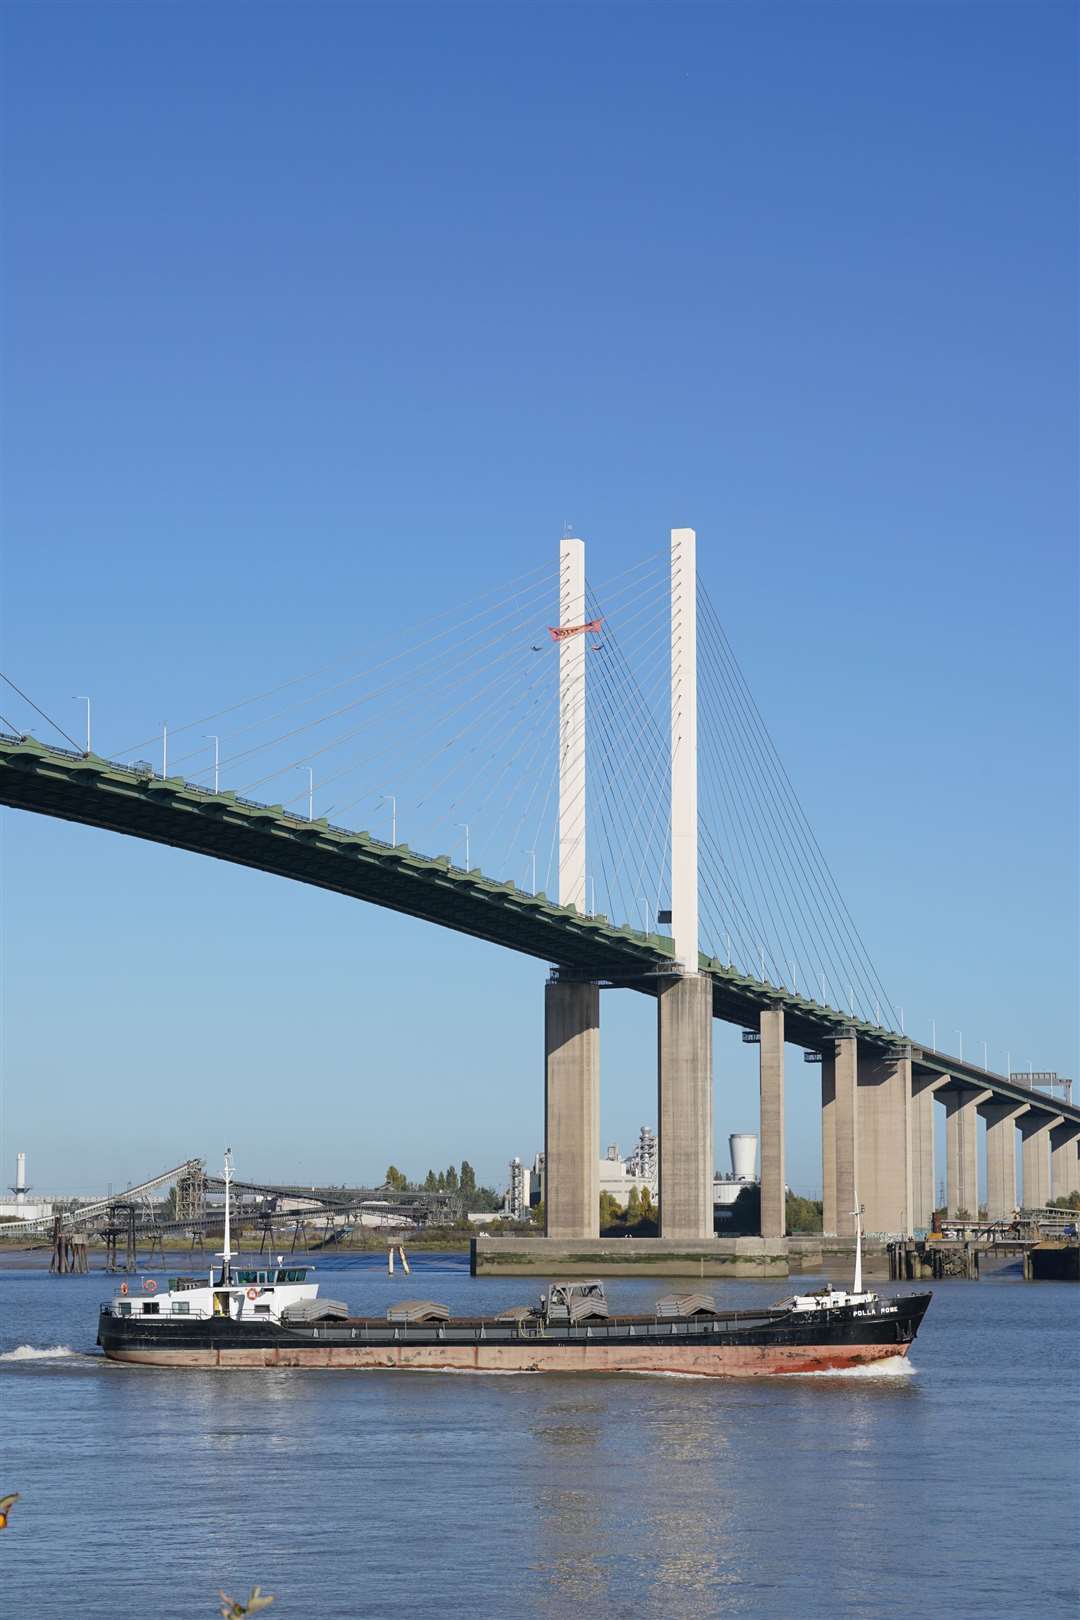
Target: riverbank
521, 1251
748, 1258
447, 1240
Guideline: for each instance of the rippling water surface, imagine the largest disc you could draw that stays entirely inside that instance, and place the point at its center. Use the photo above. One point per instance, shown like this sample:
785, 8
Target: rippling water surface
950, 1490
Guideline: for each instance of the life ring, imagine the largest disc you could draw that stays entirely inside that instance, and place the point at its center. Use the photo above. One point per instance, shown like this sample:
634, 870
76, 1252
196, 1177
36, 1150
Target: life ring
253, 1293
150, 1285
123, 1288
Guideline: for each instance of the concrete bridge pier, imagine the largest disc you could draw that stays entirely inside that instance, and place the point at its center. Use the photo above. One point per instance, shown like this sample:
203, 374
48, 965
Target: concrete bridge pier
684, 1084
962, 1151
1035, 1157
883, 1176
1064, 1162
839, 1135
1001, 1122
572, 1110
771, 1124
923, 1194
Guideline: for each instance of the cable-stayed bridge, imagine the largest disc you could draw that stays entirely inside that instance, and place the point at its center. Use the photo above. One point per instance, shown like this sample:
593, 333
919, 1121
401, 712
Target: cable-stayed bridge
608, 799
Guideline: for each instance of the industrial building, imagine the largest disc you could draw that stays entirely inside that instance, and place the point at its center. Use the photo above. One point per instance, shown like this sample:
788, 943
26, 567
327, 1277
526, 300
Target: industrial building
618, 1176
20, 1207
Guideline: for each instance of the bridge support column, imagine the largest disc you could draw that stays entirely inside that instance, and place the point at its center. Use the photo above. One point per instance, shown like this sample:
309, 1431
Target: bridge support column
883, 1165
572, 1110
828, 1143
1001, 1121
684, 1075
962, 1152
923, 1193
1064, 1163
1035, 1156
771, 1124
839, 1135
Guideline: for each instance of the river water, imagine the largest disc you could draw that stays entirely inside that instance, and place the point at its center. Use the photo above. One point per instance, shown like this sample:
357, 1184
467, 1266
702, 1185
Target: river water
950, 1490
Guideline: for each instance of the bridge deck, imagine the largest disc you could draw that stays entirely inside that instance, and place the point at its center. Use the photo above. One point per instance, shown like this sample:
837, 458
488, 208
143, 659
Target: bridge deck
98, 792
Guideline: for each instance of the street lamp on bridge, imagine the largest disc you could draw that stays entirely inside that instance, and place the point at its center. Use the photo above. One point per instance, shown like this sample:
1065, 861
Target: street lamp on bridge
215, 740
464, 825
391, 800
80, 698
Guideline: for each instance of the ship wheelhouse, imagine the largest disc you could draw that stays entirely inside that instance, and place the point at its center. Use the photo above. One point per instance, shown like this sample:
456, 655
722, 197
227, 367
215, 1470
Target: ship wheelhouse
242, 1294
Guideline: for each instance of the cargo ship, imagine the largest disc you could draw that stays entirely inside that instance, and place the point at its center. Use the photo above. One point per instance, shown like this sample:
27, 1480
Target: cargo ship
274, 1317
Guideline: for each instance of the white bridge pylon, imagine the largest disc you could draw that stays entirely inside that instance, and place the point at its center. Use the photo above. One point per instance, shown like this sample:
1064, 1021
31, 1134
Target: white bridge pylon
573, 769
684, 749
572, 724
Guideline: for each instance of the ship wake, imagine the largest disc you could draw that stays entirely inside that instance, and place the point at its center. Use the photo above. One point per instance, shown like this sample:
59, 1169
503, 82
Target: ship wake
890, 1367
33, 1352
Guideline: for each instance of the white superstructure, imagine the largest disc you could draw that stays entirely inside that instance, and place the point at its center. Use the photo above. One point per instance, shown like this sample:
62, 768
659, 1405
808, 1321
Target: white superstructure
236, 1292
242, 1294
830, 1298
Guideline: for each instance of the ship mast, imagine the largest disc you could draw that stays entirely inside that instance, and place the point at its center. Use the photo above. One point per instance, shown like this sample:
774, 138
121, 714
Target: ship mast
857, 1212
227, 1252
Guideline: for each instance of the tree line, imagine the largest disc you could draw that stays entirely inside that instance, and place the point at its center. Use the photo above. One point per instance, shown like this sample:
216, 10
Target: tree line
641, 1214
459, 1180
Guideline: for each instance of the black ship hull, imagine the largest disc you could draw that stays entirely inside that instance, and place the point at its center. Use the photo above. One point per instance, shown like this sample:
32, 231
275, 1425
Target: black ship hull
731, 1344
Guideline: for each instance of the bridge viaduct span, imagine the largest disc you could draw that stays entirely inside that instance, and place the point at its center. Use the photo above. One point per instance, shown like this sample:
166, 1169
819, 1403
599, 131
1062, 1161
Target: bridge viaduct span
878, 1088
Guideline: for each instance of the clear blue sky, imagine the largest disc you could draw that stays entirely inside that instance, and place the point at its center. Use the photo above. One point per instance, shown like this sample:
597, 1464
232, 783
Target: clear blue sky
318, 314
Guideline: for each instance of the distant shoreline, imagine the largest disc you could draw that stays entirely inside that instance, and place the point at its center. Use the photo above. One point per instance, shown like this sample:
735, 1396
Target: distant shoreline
20, 1258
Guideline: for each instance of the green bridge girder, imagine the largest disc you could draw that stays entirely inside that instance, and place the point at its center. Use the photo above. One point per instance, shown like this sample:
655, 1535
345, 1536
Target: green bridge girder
99, 792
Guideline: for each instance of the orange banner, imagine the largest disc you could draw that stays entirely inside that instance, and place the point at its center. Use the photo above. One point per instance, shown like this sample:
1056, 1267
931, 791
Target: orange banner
560, 632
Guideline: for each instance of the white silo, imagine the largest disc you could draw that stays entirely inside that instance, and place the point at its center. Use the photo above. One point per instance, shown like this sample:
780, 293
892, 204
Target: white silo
743, 1146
